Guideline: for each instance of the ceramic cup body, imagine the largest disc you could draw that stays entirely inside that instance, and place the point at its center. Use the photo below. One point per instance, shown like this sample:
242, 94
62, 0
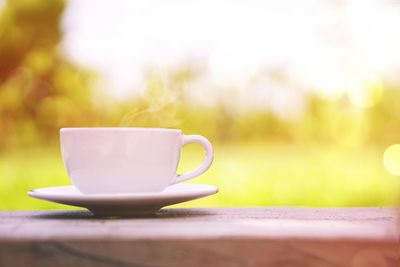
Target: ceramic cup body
126, 160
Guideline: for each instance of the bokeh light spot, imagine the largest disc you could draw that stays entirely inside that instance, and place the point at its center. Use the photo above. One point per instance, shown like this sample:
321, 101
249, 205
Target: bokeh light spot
391, 159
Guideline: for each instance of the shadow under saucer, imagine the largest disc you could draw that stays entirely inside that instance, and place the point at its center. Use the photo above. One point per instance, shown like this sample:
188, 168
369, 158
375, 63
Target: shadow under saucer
87, 215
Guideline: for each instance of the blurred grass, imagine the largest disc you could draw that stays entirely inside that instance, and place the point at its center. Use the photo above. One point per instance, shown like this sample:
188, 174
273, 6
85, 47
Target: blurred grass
255, 174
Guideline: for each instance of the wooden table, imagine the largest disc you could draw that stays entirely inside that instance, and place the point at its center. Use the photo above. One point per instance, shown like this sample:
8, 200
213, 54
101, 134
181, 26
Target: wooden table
351, 237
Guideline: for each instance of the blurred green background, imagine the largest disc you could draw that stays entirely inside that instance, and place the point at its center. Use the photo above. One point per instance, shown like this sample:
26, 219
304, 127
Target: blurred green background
269, 149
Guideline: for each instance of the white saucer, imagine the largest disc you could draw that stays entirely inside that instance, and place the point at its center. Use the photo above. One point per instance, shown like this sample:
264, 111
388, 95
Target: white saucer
124, 204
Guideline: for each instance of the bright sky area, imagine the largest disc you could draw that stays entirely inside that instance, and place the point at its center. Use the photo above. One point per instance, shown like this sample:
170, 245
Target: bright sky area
331, 46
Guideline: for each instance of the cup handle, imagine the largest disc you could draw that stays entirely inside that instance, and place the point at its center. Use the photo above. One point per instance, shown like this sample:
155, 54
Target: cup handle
198, 139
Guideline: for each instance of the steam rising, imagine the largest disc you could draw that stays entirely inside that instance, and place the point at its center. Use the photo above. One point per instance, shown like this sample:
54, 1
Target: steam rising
159, 107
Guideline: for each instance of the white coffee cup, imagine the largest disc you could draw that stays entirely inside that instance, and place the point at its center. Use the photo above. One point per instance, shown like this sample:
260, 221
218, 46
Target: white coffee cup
127, 160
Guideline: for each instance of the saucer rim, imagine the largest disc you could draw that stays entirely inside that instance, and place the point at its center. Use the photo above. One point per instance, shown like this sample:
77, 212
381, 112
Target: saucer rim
205, 190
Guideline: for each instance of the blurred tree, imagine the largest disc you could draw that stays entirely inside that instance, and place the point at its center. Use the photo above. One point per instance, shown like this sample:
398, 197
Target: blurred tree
40, 90
26, 26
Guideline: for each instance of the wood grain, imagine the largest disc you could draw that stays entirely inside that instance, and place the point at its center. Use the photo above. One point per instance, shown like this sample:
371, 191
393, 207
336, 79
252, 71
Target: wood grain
203, 237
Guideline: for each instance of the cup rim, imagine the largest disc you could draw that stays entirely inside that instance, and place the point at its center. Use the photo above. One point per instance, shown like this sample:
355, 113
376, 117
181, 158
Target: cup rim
119, 129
